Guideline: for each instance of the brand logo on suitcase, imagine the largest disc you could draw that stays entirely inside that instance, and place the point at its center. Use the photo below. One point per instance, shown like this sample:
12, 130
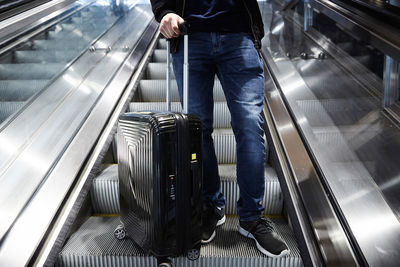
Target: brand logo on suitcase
171, 188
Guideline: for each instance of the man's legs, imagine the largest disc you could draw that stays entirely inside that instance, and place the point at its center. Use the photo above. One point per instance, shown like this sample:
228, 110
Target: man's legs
242, 76
240, 71
201, 83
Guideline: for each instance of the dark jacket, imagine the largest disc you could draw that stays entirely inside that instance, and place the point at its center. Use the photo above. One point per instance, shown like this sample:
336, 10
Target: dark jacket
162, 7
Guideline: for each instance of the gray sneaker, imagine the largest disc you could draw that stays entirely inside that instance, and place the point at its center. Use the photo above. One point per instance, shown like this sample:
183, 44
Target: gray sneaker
267, 240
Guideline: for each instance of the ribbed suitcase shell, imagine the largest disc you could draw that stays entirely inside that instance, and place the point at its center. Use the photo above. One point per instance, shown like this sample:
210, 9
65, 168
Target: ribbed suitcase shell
160, 176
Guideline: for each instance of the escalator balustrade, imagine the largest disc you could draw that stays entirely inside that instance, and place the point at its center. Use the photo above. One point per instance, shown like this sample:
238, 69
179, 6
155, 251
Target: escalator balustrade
30, 67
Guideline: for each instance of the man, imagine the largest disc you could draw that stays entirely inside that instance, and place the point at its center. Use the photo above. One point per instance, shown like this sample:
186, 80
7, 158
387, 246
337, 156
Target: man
224, 38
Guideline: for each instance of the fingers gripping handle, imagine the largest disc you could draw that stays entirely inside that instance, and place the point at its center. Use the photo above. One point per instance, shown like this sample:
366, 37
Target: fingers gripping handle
183, 29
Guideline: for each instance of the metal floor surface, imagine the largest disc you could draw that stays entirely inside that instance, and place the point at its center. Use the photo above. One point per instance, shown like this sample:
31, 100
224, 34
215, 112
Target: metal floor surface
94, 244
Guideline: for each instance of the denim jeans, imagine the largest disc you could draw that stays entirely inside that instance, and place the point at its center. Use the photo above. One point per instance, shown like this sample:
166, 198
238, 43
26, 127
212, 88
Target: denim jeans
236, 62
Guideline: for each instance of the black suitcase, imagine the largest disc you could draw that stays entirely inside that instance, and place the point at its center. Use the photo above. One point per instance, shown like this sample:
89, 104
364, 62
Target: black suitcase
160, 180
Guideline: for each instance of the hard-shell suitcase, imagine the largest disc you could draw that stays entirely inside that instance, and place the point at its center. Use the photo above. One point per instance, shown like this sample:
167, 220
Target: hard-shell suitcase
160, 179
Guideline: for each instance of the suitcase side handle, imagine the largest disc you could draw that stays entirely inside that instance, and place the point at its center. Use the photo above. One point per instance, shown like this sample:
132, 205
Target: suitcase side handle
184, 30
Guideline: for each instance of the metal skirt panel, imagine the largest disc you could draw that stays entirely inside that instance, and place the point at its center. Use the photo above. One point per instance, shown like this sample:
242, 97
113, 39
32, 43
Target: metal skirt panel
94, 245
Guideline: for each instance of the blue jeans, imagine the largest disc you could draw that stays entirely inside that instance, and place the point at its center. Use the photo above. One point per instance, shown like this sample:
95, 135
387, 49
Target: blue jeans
236, 62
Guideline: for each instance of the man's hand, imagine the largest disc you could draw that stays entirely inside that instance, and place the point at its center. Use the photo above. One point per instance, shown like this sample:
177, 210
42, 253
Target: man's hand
169, 25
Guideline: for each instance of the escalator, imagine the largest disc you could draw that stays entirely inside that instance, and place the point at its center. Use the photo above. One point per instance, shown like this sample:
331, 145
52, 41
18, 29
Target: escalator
93, 244
30, 67
331, 175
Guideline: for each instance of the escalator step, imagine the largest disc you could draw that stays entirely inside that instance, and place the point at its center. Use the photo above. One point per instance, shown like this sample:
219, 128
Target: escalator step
225, 146
84, 20
273, 199
98, 11
79, 31
160, 55
78, 35
346, 46
74, 44
94, 244
8, 108
157, 71
87, 27
222, 116
20, 90
105, 190
364, 60
162, 44
155, 90
29, 71
43, 56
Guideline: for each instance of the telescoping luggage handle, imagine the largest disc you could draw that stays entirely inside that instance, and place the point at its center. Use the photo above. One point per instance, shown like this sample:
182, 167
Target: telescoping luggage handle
184, 31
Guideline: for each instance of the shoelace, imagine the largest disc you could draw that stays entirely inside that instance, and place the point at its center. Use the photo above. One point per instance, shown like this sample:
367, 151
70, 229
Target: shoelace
266, 226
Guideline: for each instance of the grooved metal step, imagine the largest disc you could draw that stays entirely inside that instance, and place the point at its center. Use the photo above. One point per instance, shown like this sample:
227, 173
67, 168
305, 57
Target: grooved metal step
8, 108
105, 191
222, 116
84, 28
160, 55
58, 45
43, 56
29, 71
155, 91
162, 43
225, 146
157, 71
94, 245
20, 90
81, 19
346, 46
79, 36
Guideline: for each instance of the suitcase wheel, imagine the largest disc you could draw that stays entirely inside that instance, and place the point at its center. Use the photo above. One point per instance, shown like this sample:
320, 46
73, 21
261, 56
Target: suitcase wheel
164, 262
120, 232
193, 254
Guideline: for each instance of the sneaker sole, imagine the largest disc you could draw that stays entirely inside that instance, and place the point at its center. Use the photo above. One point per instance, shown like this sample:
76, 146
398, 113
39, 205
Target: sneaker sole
219, 223
245, 233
